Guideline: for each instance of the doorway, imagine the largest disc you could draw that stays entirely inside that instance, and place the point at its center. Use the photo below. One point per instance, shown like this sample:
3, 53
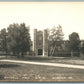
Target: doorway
40, 51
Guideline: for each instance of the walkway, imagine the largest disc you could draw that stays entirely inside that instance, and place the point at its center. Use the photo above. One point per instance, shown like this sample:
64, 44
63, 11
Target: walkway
47, 64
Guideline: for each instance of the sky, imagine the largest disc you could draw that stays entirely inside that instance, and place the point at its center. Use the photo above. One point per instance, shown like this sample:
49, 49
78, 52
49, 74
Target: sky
41, 15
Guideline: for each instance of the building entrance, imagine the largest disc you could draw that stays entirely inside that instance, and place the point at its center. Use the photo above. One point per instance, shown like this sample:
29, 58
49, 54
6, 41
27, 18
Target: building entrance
40, 51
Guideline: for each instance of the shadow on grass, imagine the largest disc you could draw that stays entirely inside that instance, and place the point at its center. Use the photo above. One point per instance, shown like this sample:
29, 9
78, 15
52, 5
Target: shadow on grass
8, 65
31, 58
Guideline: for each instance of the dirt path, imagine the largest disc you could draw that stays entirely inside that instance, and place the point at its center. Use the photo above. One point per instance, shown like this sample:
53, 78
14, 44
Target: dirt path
47, 64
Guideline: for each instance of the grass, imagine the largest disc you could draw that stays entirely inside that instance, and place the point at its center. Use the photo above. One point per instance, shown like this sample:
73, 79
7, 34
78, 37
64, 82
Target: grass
65, 60
28, 72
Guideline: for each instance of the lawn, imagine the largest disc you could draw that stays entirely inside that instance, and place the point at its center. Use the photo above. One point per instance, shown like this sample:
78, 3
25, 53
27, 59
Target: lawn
27, 72
64, 60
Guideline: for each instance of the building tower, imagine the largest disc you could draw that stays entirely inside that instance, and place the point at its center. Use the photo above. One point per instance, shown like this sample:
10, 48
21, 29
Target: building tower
34, 42
40, 43
45, 43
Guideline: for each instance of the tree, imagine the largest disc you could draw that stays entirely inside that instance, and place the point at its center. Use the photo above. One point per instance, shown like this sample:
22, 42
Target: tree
19, 38
25, 39
55, 38
82, 49
3, 38
74, 42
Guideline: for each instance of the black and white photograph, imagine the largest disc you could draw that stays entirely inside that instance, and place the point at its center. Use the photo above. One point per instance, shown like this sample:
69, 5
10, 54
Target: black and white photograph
42, 41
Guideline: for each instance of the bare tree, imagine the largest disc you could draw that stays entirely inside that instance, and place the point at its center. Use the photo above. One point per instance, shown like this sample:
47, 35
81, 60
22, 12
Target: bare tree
55, 38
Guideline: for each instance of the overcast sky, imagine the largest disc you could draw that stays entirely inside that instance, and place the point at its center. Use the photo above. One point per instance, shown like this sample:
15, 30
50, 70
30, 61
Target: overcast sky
41, 15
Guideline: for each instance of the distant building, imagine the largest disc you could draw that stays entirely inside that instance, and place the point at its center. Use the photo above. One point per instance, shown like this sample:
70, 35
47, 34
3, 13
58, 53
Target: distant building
41, 46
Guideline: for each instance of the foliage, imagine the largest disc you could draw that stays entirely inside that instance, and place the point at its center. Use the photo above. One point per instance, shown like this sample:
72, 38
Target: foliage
55, 38
56, 34
18, 38
82, 51
3, 39
74, 42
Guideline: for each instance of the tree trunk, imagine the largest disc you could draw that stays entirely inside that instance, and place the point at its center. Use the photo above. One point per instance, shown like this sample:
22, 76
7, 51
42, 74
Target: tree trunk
18, 55
71, 53
81, 55
52, 51
6, 53
22, 54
